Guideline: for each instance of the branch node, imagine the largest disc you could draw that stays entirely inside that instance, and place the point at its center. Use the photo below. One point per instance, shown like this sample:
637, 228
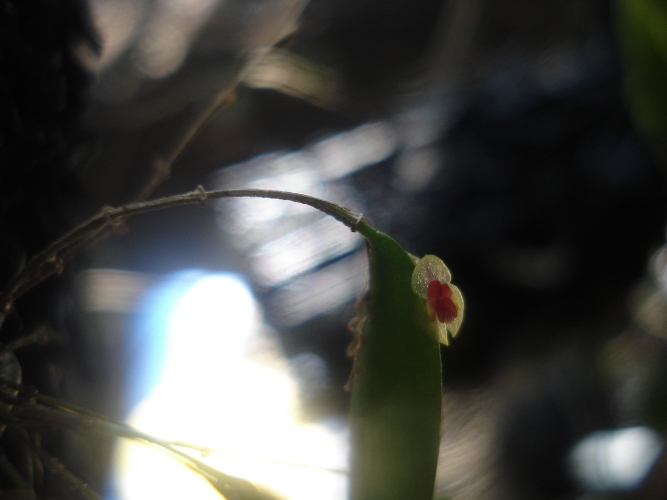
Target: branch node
356, 223
59, 265
201, 194
111, 216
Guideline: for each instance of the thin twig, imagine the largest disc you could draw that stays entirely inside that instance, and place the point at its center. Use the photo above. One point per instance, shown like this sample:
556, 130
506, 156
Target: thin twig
46, 264
58, 468
52, 260
57, 404
206, 450
14, 476
28, 414
227, 95
42, 335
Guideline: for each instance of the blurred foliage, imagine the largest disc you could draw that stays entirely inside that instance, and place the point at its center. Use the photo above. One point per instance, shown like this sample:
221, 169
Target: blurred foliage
642, 30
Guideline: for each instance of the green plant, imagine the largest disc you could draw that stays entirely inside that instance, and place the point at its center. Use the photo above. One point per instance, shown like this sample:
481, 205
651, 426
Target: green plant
396, 386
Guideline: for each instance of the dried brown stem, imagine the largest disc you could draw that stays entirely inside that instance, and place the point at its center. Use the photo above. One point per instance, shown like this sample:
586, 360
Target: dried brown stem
42, 335
58, 413
58, 468
227, 95
51, 260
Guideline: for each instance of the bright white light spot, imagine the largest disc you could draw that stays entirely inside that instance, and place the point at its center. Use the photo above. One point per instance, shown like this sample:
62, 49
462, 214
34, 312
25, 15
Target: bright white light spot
615, 460
226, 386
210, 325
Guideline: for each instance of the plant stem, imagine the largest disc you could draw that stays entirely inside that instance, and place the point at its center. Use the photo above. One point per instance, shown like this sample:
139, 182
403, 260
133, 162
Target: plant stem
58, 468
27, 414
52, 260
162, 166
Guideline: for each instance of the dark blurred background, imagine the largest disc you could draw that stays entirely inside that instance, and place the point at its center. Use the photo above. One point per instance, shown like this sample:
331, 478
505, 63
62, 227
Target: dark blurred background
520, 141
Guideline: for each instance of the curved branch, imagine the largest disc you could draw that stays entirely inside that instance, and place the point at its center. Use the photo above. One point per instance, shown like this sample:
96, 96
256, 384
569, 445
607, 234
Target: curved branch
51, 260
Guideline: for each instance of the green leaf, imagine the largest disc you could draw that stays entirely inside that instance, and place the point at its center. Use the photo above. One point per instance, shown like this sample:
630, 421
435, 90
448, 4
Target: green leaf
641, 27
396, 393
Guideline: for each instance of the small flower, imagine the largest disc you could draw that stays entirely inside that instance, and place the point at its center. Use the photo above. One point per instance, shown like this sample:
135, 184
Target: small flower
431, 280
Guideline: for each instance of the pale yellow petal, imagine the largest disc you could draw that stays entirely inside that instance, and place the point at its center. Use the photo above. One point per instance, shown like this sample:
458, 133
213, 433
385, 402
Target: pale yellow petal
454, 325
428, 269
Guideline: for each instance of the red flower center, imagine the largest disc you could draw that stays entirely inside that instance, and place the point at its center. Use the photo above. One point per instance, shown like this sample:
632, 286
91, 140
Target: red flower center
439, 302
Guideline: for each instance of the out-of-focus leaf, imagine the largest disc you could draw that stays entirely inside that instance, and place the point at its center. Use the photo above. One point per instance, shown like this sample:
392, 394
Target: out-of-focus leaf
642, 30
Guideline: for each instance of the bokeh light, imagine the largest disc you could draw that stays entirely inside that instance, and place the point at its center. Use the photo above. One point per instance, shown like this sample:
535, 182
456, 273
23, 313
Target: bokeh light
225, 386
615, 460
